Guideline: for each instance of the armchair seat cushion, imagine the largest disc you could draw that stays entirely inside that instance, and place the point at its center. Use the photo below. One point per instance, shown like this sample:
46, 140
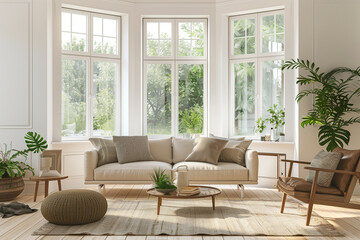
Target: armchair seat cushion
134, 171
294, 184
224, 171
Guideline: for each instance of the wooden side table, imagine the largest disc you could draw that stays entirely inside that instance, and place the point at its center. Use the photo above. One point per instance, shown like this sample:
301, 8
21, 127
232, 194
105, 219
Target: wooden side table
46, 180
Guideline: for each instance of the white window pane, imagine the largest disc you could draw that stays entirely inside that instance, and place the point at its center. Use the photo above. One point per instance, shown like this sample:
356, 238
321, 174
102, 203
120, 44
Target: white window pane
239, 46
66, 41
197, 48
97, 44
152, 30
165, 30
184, 48
79, 42
109, 45
268, 24
165, 48
280, 23
65, 22
79, 23
239, 28
152, 48
110, 27
198, 30
268, 43
272, 89
73, 107
244, 79
97, 26
104, 97
191, 102
250, 45
185, 30
250, 27
158, 77
279, 43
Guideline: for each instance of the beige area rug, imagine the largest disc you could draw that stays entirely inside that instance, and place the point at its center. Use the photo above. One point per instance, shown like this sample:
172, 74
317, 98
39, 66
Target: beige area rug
196, 217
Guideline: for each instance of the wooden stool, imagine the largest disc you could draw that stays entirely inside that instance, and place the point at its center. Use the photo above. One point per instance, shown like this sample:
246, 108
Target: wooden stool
46, 180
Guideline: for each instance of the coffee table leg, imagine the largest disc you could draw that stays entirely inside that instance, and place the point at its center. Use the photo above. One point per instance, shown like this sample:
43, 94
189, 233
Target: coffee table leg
159, 205
46, 188
213, 202
59, 184
36, 190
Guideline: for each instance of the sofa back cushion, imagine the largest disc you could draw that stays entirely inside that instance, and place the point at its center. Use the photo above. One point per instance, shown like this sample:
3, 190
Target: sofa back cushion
182, 148
347, 163
132, 148
161, 149
105, 149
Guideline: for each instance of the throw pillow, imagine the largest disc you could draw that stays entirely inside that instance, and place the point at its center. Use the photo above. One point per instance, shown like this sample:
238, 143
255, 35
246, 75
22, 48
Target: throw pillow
160, 149
328, 160
234, 151
132, 148
106, 150
206, 150
182, 147
347, 163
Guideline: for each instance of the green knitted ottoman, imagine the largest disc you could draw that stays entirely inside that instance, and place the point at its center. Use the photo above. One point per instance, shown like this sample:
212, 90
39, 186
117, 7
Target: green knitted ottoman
72, 207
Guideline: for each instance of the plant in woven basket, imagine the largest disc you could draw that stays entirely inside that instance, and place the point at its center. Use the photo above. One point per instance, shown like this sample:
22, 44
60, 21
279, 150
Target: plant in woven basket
333, 109
9, 166
162, 180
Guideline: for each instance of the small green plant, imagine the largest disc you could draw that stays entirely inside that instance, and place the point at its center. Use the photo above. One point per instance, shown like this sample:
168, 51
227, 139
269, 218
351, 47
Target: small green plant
11, 168
276, 116
162, 180
260, 125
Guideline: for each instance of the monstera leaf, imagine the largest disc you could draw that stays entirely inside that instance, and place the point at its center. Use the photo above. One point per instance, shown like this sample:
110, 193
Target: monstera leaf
333, 136
35, 142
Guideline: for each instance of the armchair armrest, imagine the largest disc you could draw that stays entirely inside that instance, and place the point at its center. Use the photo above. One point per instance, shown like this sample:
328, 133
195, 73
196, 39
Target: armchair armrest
334, 171
90, 161
252, 163
294, 161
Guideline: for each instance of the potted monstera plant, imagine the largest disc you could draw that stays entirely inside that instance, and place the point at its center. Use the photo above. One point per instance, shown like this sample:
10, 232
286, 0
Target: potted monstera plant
12, 170
334, 94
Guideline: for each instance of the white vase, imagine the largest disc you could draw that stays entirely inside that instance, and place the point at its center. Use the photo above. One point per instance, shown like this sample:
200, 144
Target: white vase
46, 164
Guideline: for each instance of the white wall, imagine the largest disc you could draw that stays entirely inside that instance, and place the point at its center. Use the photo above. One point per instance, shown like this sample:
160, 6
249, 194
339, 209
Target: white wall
329, 36
23, 81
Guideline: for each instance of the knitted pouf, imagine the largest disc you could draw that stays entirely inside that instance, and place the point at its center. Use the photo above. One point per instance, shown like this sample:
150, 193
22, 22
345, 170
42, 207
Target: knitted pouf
72, 207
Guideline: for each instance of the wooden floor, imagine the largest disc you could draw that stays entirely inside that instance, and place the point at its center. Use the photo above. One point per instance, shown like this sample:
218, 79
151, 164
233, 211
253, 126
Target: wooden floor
347, 221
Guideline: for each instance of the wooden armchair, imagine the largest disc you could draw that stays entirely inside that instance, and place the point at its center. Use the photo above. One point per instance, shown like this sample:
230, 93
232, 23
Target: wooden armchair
336, 195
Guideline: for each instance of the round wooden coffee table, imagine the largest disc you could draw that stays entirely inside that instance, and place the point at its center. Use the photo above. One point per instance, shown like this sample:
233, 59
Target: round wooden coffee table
204, 192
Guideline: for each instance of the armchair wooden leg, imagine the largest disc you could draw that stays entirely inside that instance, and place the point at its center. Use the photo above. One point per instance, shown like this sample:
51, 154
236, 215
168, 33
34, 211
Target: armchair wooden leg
312, 198
283, 202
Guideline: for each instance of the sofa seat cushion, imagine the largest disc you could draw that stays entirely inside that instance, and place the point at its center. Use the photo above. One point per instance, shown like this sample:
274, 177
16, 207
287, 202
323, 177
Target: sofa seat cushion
294, 184
224, 171
134, 171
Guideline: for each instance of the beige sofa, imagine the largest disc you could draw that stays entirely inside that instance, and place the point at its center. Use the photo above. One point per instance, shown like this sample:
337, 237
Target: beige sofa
169, 154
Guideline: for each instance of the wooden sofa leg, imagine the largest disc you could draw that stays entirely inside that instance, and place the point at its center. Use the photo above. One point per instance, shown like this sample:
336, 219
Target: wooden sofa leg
283, 202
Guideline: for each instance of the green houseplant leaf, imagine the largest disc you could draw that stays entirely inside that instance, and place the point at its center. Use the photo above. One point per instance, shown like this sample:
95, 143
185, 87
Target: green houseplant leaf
333, 101
35, 142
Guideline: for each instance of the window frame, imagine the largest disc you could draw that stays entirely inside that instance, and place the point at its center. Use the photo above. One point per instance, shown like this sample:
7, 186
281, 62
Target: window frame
258, 58
174, 61
90, 58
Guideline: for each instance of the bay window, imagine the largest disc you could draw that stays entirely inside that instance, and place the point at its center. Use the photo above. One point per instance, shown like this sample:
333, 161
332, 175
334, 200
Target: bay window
256, 44
90, 73
175, 76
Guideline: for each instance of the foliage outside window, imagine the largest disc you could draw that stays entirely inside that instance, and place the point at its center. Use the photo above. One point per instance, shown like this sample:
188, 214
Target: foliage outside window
256, 81
175, 58
90, 72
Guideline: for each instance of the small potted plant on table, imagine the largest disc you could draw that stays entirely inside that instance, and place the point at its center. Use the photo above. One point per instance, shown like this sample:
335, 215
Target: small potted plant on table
162, 182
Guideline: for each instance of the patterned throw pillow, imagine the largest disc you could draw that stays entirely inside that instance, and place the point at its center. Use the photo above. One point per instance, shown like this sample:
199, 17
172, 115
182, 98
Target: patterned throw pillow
327, 160
106, 150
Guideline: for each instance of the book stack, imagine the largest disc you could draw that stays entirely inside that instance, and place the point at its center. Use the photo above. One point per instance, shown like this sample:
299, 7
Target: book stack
189, 191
